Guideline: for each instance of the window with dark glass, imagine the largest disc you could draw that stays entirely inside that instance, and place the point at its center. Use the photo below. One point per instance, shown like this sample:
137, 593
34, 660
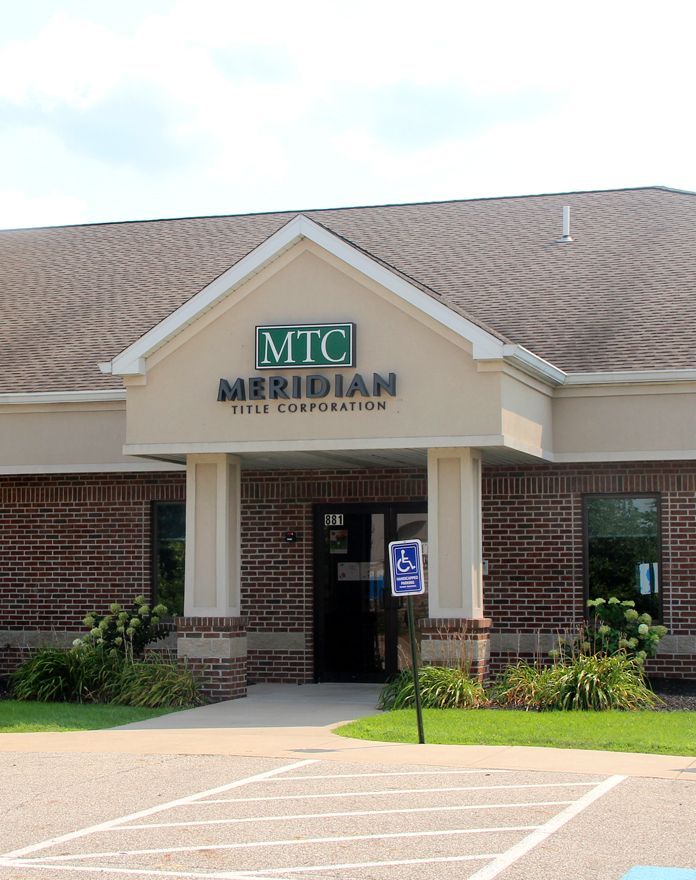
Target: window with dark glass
169, 521
623, 549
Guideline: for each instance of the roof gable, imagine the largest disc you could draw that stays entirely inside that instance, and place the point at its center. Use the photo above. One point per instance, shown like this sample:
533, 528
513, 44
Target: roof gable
485, 344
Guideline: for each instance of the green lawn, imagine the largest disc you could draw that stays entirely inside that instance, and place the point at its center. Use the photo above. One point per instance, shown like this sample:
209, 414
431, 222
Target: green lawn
664, 733
29, 717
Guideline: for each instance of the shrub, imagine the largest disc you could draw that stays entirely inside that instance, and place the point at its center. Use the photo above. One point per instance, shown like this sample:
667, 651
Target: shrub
527, 686
154, 683
126, 631
78, 675
614, 627
595, 682
603, 682
441, 687
86, 674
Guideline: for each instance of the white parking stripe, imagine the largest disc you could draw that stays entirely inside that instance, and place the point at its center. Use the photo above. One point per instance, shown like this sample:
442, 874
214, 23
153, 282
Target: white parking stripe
294, 816
532, 834
444, 772
503, 861
345, 794
192, 798
294, 841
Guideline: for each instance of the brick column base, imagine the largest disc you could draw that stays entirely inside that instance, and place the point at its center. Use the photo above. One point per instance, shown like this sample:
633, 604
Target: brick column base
451, 641
215, 650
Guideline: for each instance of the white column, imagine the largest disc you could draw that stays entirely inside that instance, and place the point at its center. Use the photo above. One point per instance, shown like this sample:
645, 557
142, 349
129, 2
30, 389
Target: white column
212, 536
454, 533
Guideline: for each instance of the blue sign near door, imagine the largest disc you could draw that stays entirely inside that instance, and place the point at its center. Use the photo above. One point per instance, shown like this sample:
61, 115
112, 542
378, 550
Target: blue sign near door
406, 558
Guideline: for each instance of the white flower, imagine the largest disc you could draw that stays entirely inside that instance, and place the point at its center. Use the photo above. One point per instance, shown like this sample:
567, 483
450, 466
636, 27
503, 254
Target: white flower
643, 629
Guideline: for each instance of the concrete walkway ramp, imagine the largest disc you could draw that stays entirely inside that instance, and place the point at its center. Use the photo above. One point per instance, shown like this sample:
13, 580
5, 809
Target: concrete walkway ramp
275, 705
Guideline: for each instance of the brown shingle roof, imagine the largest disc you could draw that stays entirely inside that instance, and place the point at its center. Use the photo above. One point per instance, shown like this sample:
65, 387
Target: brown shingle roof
622, 296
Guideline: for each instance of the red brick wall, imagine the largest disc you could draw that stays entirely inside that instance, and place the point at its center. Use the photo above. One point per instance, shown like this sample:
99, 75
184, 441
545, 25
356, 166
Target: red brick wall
71, 543
277, 581
533, 541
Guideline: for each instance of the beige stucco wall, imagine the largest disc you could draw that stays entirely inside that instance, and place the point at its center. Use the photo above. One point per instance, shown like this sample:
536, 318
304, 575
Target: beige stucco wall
440, 392
60, 436
527, 415
617, 423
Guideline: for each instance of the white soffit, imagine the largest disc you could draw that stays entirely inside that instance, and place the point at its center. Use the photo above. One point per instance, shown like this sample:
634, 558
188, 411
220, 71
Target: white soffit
486, 346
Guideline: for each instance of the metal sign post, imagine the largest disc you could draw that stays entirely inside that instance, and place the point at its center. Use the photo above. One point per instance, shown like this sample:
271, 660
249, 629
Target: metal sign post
406, 564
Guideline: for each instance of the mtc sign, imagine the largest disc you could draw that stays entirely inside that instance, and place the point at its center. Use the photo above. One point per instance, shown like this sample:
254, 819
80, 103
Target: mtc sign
305, 346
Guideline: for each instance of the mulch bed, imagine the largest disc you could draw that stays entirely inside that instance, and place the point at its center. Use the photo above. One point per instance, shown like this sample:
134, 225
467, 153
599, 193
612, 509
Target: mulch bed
677, 695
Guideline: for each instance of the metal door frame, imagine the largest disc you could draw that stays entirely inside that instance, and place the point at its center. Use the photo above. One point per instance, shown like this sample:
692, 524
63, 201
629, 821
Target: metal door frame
390, 509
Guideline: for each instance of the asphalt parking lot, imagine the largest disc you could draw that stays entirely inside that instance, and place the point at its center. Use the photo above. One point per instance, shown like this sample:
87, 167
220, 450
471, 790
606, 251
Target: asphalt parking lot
112, 816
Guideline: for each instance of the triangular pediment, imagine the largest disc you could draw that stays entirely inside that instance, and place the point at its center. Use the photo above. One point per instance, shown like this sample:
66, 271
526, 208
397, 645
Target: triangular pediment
485, 345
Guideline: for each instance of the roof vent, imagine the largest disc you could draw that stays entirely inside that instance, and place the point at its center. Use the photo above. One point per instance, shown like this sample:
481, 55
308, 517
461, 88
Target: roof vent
566, 226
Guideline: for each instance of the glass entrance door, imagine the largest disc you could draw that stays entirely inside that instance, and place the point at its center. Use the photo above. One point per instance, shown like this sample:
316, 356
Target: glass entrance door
359, 626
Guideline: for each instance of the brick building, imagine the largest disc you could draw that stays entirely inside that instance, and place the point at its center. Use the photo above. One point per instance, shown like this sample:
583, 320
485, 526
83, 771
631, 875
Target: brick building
236, 414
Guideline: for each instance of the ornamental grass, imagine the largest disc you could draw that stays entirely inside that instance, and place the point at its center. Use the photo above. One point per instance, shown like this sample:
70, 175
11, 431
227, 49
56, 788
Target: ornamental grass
441, 687
596, 682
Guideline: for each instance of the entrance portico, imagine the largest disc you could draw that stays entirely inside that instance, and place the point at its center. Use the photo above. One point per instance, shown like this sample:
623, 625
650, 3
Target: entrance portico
258, 611
310, 355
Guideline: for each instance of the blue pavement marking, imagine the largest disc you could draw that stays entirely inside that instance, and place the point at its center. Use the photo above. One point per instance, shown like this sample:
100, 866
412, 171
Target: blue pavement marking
649, 872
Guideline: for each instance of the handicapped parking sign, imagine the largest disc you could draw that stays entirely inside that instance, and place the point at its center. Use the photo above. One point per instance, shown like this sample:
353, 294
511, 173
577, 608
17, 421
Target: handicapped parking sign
406, 559
406, 564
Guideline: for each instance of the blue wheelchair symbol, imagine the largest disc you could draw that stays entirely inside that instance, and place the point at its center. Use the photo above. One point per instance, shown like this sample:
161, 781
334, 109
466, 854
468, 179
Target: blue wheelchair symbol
404, 565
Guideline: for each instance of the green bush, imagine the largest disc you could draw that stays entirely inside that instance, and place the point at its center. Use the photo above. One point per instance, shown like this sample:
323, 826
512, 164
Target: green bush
441, 687
603, 682
126, 631
527, 686
77, 675
154, 683
595, 682
614, 627
86, 674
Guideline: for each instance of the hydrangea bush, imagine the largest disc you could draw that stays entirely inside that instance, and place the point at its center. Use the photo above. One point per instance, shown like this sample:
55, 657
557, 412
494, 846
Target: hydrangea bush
106, 666
125, 631
614, 627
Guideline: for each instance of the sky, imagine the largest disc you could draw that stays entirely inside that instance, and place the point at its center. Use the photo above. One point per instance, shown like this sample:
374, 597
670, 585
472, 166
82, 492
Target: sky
142, 109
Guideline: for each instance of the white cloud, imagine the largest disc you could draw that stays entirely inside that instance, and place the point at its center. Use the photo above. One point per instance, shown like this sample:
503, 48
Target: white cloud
263, 106
17, 209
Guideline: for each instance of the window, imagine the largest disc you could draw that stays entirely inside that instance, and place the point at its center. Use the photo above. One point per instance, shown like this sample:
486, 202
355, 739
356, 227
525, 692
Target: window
623, 549
169, 542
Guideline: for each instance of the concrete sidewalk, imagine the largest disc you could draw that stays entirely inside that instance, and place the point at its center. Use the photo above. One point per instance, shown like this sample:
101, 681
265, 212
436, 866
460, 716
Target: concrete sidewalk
276, 705
286, 721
